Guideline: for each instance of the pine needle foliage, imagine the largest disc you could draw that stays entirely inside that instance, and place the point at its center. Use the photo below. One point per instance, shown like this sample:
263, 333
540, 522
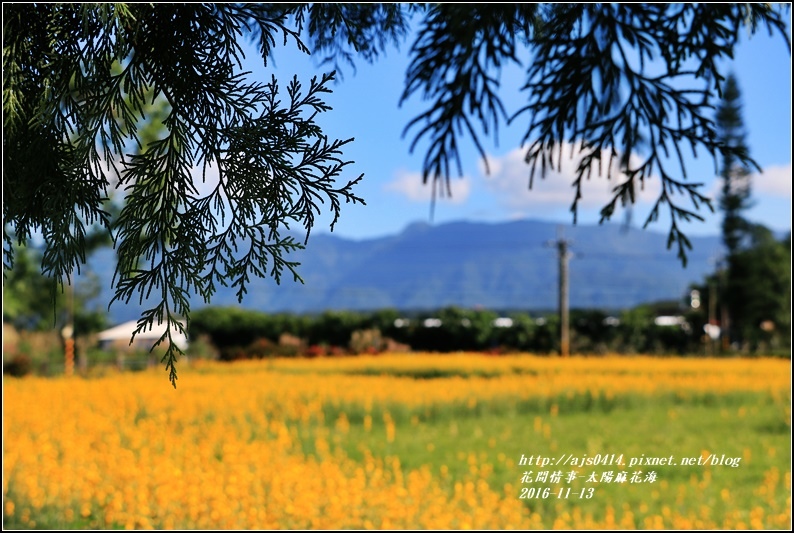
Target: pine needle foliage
633, 83
78, 80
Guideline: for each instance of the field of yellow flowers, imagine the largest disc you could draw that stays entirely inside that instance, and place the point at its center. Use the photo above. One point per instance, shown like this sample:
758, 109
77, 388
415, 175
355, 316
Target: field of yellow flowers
408, 441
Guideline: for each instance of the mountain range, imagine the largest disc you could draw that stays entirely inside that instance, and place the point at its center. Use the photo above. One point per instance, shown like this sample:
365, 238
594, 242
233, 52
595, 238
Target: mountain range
501, 266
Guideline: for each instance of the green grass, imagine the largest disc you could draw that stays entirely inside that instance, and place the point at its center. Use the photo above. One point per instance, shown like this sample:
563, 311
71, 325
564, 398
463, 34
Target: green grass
494, 435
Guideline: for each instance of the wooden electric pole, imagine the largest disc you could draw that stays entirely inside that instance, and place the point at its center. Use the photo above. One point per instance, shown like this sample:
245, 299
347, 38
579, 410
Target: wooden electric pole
563, 255
725, 321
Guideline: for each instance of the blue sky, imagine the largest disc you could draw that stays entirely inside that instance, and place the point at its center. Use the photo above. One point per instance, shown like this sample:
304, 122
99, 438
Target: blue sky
366, 106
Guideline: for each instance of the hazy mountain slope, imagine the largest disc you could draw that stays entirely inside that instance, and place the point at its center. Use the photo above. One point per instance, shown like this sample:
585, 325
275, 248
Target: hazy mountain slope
505, 265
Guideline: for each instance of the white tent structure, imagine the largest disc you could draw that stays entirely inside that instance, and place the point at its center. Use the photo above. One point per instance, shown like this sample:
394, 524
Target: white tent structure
119, 337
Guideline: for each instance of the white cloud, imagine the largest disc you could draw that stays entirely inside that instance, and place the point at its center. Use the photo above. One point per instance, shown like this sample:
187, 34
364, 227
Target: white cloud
775, 180
509, 181
205, 181
409, 185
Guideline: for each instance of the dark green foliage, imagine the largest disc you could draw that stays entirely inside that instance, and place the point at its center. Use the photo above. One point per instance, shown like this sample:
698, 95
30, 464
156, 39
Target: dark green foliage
755, 286
79, 79
239, 333
27, 294
334, 327
31, 301
232, 326
735, 173
758, 292
586, 92
756, 289
347, 31
592, 332
734, 202
457, 51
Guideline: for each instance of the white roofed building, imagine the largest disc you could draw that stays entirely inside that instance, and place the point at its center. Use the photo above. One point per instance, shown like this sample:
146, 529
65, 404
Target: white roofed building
118, 337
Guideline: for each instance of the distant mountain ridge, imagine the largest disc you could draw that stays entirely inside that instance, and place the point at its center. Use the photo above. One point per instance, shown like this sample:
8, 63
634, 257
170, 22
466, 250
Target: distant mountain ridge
510, 265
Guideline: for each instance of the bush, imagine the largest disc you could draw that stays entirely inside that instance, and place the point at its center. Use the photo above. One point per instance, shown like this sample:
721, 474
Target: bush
366, 341
259, 349
20, 365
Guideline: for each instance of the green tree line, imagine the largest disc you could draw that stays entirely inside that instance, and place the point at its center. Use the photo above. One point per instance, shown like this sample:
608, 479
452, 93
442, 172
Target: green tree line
238, 333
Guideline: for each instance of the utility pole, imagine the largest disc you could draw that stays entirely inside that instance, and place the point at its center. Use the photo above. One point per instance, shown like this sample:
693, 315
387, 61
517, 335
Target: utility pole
725, 322
563, 255
712, 315
715, 327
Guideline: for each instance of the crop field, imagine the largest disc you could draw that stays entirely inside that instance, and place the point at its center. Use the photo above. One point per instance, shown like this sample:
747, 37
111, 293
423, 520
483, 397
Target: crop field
406, 441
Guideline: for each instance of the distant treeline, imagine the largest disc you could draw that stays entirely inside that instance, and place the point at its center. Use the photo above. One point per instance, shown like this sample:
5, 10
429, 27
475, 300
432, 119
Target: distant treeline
238, 333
